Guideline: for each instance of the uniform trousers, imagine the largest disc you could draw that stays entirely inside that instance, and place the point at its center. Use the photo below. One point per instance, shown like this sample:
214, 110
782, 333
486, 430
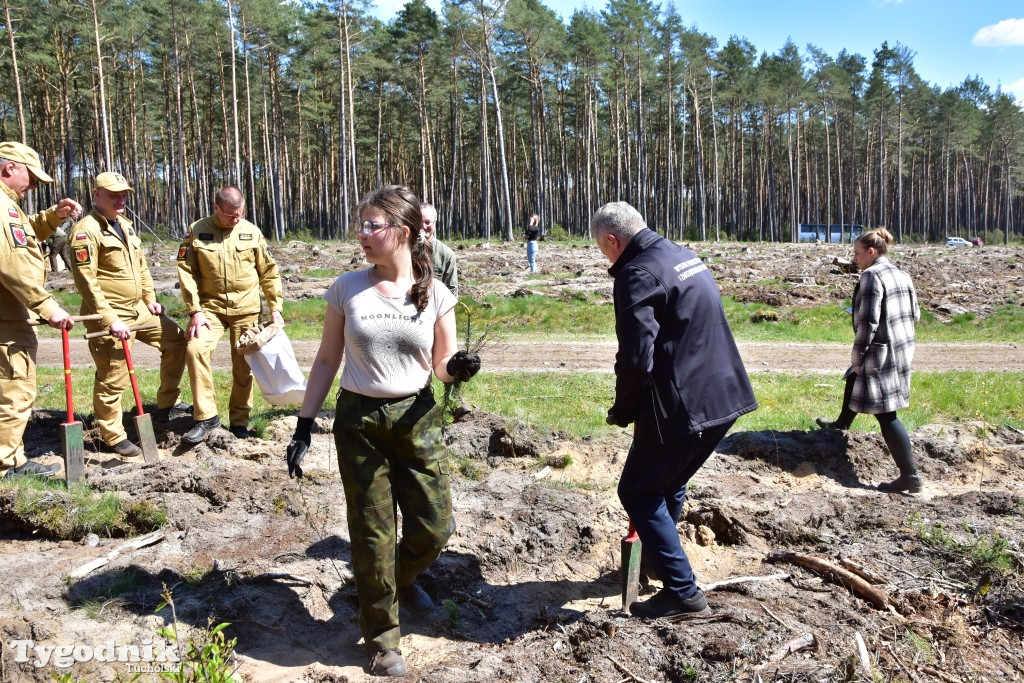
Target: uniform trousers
200, 353
652, 490
112, 371
391, 455
17, 390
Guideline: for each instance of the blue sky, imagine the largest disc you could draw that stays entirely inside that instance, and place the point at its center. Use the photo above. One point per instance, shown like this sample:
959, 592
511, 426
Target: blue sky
952, 39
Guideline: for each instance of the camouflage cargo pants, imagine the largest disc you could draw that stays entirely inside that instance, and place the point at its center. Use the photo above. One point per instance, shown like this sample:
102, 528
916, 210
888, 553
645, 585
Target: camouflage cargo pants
391, 455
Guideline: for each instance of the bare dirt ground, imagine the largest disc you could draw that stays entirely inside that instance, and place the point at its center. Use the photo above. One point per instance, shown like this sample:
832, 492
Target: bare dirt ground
531, 575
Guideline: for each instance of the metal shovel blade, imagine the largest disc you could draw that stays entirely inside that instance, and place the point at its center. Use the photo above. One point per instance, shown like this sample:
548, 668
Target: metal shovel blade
147, 438
72, 442
631, 552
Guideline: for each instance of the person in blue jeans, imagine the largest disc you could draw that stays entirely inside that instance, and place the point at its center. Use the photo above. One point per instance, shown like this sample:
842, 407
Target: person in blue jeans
679, 380
532, 235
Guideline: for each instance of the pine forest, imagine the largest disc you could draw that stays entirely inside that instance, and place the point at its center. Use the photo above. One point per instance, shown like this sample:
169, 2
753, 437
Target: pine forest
493, 110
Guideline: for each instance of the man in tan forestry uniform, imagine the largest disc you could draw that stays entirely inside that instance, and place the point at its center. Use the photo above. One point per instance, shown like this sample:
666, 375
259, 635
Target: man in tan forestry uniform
223, 263
113, 278
23, 298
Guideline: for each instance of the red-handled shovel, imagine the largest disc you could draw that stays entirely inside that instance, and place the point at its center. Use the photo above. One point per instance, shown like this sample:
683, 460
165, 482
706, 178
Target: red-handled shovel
143, 422
72, 438
631, 552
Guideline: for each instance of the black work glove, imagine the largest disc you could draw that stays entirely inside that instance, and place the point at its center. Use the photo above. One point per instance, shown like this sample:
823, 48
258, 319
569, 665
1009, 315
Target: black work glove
462, 366
298, 446
615, 420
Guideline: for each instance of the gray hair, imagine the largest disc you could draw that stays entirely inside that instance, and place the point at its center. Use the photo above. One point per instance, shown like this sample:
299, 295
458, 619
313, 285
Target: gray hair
619, 219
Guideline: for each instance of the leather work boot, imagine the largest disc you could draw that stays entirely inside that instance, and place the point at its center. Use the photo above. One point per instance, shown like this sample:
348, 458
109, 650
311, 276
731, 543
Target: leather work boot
910, 483
240, 432
125, 448
201, 429
33, 469
388, 663
415, 599
168, 414
666, 605
829, 424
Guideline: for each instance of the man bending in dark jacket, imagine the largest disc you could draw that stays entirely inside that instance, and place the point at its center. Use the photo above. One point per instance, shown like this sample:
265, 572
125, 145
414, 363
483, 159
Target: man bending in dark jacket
678, 378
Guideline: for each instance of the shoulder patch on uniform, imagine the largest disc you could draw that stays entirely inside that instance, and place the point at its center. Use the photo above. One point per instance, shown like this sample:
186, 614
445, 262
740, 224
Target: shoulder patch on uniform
187, 236
205, 236
81, 256
182, 252
19, 235
245, 236
81, 235
12, 212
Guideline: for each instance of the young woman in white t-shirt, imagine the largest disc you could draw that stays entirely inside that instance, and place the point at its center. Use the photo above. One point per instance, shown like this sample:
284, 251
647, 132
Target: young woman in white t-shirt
395, 325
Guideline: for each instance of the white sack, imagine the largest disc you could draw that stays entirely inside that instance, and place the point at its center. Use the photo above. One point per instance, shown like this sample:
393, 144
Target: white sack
269, 353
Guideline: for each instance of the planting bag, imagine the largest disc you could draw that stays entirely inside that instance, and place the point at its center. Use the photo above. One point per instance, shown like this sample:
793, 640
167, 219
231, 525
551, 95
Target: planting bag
269, 353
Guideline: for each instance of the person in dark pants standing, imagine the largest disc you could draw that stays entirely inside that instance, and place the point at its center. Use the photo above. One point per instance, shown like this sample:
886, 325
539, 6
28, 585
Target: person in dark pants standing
679, 380
885, 310
394, 326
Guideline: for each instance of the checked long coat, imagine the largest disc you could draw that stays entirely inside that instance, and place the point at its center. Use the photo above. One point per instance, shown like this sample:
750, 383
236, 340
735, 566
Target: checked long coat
885, 309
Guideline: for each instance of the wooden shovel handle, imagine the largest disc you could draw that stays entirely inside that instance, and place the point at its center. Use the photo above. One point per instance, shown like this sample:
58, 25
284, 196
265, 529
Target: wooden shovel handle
76, 318
137, 328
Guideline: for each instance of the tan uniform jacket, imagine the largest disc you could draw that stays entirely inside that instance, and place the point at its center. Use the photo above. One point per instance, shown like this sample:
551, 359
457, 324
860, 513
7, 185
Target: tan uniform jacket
23, 295
112, 276
222, 269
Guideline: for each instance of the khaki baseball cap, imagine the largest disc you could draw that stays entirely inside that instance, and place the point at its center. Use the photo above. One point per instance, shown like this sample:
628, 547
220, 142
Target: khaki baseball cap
23, 154
113, 182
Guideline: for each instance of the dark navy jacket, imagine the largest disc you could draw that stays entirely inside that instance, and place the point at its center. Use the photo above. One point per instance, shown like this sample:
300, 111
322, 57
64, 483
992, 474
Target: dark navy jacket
677, 370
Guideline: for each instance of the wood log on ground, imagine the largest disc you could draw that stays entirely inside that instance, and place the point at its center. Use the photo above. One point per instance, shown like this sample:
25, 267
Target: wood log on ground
861, 588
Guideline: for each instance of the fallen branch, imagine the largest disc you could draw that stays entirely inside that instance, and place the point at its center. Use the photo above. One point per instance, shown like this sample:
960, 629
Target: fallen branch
848, 579
773, 616
900, 662
626, 671
791, 646
938, 674
862, 652
744, 579
483, 604
279, 576
135, 543
860, 571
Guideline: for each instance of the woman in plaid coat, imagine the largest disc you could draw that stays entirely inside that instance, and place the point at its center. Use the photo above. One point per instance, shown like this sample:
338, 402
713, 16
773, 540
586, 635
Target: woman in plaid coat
885, 309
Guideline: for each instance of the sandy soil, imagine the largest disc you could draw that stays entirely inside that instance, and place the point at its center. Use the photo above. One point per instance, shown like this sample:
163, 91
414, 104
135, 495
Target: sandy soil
528, 590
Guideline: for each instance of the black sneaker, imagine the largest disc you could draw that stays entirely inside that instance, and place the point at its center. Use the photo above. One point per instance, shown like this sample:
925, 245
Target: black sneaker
415, 599
201, 429
177, 410
666, 605
33, 469
907, 483
829, 424
240, 432
125, 448
388, 663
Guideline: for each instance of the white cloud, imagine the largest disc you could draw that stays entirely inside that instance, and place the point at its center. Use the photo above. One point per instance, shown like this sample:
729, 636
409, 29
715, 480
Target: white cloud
1006, 32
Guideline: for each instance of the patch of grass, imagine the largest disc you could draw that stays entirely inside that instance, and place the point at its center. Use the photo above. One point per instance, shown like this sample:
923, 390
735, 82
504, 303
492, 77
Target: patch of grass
984, 554
44, 507
468, 467
542, 317
100, 596
324, 272
577, 403
565, 485
558, 462
922, 645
